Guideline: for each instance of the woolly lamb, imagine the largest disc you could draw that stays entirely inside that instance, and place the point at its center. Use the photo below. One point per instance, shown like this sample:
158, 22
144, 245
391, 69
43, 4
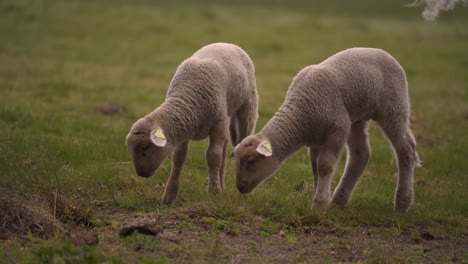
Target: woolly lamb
213, 89
327, 106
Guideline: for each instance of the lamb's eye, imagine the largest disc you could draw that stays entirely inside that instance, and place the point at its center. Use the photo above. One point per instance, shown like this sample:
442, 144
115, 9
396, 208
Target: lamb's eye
251, 161
141, 148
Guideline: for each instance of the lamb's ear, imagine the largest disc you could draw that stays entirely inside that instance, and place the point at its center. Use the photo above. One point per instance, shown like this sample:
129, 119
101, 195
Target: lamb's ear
158, 138
264, 148
232, 155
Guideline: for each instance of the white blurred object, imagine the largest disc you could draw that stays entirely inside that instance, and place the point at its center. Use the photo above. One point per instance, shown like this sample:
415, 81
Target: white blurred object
433, 7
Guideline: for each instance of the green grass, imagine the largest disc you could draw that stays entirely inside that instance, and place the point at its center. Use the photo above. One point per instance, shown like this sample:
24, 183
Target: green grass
60, 59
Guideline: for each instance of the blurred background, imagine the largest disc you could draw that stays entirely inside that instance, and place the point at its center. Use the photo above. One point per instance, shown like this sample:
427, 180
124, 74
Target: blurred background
75, 75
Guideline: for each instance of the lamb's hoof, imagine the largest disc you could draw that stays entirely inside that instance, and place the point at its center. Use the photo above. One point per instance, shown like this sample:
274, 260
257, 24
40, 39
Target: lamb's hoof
168, 198
321, 203
339, 201
403, 202
215, 189
402, 206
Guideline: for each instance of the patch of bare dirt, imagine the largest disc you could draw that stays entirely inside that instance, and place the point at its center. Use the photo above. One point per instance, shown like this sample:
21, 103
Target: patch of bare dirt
81, 235
198, 240
183, 237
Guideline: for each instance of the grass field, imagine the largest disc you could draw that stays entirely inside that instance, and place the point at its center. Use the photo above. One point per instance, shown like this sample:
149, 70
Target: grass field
61, 159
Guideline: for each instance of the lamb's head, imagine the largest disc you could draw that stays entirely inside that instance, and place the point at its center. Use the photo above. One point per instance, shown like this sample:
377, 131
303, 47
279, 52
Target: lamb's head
255, 161
148, 146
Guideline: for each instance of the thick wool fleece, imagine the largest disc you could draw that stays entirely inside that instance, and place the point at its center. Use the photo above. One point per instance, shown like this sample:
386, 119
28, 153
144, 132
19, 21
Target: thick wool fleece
212, 92
352, 85
327, 107
217, 82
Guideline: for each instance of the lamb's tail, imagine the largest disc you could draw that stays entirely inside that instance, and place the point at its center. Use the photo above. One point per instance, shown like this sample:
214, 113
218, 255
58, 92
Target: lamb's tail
416, 160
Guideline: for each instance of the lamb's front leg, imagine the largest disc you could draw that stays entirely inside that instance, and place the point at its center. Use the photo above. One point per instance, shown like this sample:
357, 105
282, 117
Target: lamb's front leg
214, 158
358, 157
327, 160
172, 185
313, 156
222, 169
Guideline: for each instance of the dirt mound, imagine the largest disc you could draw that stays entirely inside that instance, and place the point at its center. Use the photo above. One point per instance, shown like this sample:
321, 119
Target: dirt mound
110, 108
144, 224
17, 219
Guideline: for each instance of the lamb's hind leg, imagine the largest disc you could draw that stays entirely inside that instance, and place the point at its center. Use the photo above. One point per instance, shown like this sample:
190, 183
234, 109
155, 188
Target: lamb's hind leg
172, 185
357, 158
327, 160
246, 120
214, 157
313, 156
404, 145
233, 130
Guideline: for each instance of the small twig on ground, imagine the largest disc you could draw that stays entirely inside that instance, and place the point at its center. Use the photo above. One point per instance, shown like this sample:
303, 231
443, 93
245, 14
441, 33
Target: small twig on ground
121, 163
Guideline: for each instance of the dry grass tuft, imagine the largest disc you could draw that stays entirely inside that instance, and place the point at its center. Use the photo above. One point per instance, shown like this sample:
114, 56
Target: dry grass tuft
18, 219
63, 204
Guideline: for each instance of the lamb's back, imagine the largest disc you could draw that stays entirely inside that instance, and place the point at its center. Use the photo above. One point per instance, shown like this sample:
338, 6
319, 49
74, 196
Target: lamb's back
219, 73
239, 72
359, 80
207, 87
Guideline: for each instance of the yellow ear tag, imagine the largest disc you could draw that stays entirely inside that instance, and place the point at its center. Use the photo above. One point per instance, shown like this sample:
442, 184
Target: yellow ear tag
267, 147
159, 134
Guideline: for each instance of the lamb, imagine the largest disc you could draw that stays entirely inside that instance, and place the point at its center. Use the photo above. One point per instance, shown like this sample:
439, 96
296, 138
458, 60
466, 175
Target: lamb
327, 106
212, 90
